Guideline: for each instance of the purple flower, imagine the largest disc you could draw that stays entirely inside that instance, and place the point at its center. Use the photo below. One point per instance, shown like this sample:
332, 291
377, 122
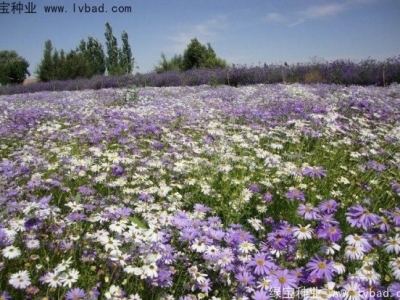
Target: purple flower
359, 216
395, 215
261, 264
396, 187
260, 295
75, 294
283, 280
328, 206
308, 212
205, 285
314, 172
32, 224
268, 196
295, 194
245, 278
254, 188
394, 290
375, 166
329, 231
277, 241
321, 268
5, 296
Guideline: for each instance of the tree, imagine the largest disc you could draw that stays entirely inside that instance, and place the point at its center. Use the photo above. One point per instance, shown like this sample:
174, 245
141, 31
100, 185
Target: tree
126, 59
212, 61
174, 64
45, 70
13, 68
112, 62
95, 54
195, 55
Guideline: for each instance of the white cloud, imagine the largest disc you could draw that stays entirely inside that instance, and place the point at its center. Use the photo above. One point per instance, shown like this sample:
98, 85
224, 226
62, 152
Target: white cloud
322, 11
275, 17
205, 32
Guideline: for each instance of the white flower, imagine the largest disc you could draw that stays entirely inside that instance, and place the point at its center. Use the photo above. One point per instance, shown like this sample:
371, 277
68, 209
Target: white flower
199, 246
150, 270
115, 292
18, 224
70, 277
330, 247
246, 247
303, 232
351, 291
256, 223
20, 280
393, 244
62, 266
11, 252
340, 268
354, 253
32, 244
53, 279
74, 206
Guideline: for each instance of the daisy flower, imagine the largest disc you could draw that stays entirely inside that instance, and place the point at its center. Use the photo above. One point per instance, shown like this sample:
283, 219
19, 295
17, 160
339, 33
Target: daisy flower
75, 294
303, 232
20, 280
354, 253
70, 277
53, 279
11, 252
321, 268
393, 244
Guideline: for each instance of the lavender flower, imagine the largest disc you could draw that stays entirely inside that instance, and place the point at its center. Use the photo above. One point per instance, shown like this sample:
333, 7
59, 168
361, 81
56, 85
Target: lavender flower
321, 268
295, 194
359, 216
314, 172
75, 294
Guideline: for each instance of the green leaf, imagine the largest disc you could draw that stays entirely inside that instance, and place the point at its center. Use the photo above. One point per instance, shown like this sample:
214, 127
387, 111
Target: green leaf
78, 197
138, 222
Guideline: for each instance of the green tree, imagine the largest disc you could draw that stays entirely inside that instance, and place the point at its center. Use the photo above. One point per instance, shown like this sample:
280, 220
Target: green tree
174, 64
126, 60
45, 70
13, 68
95, 55
211, 60
195, 55
113, 53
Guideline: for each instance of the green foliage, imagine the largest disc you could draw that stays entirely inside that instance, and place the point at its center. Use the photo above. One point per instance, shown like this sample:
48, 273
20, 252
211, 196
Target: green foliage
119, 60
87, 60
196, 56
126, 60
174, 64
13, 68
112, 52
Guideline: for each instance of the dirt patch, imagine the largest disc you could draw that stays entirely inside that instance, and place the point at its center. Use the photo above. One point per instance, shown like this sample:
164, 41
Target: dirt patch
29, 81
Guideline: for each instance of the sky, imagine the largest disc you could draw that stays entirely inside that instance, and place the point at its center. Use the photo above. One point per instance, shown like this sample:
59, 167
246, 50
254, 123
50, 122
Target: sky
243, 32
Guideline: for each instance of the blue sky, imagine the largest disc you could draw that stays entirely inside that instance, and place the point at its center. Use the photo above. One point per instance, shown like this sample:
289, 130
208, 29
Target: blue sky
242, 32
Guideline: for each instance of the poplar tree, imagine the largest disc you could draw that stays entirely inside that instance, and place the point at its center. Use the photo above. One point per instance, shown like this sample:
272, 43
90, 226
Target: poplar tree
126, 59
112, 63
96, 56
45, 69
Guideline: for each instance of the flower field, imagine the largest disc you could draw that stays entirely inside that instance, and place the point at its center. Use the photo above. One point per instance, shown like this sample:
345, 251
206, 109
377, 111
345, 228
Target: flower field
256, 192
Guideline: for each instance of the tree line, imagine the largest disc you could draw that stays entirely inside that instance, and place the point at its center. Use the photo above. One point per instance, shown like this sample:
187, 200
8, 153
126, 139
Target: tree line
89, 59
